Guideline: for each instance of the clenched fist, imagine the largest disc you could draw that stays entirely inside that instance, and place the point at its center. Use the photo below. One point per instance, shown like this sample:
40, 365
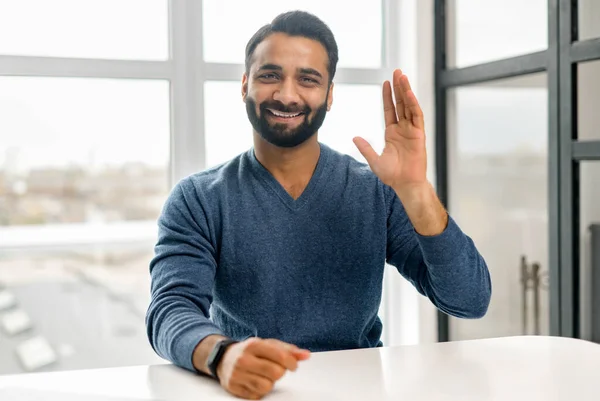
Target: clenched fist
249, 369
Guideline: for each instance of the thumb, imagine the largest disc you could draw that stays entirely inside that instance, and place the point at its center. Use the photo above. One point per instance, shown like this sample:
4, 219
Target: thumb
367, 151
301, 354
298, 353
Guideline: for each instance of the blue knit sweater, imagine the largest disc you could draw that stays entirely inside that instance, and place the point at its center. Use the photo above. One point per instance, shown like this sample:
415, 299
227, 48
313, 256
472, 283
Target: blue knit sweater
236, 255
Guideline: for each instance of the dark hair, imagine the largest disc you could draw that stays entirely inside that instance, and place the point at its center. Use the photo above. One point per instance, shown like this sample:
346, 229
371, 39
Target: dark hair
297, 23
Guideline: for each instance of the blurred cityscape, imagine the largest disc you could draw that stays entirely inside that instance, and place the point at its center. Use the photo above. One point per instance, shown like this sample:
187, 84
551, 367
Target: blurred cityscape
74, 194
87, 302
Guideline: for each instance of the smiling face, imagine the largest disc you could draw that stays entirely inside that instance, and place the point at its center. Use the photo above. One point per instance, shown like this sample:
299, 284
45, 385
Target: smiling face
287, 90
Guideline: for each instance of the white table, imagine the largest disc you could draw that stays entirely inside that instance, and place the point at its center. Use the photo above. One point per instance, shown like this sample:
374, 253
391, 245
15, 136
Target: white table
507, 369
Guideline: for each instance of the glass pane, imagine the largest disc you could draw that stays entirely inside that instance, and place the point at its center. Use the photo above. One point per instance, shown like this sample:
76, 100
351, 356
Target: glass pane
357, 47
590, 249
587, 124
225, 142
83, 177
481, 31
88, 304
498, 175
589, 19
349, 118
106, 29
588, 96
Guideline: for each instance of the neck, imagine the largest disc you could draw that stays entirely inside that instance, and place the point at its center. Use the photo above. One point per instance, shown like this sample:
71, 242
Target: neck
290, 166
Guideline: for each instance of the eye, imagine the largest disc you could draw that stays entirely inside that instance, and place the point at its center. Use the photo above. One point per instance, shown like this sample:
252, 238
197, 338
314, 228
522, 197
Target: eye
268, 76
309, 80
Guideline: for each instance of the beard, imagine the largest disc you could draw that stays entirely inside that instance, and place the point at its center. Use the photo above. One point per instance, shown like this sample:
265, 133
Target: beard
279, 134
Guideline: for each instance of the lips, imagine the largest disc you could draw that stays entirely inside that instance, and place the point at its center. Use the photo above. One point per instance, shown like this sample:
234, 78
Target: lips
282, 114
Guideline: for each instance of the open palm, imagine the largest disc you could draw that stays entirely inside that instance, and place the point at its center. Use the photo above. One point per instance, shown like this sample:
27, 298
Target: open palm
403, 162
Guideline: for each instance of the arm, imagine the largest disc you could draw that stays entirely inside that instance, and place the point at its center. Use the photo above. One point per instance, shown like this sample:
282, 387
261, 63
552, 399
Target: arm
182, 273
445, 265
424, 244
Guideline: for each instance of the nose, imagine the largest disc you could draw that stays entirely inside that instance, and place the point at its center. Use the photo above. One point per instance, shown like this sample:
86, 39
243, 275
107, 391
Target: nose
287, 93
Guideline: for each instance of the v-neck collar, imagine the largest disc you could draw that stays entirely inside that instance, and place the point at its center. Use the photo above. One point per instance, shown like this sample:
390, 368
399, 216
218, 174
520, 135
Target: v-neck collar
309, 192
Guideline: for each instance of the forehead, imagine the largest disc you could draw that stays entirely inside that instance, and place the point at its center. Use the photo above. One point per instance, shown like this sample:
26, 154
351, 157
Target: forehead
291, 52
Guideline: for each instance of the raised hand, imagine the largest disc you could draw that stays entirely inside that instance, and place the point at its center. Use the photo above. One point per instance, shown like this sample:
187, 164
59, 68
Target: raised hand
403, 162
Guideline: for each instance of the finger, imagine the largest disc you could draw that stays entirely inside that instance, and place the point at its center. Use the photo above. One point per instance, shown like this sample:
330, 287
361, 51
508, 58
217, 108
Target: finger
242, 391
290, 348
398, 94
366, 150
301, 354
257, 384
262, 367
412, 110
389, 110
405, 89
415, 112
297, 352
277, 354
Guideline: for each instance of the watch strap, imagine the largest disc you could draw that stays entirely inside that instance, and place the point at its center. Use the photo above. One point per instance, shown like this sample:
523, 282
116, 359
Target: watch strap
217, 354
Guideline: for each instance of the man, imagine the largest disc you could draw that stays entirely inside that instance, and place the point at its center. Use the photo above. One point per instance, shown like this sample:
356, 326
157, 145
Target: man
286, 244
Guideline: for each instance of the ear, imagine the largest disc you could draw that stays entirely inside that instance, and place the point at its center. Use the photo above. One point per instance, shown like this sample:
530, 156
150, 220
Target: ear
244, 87
330, 97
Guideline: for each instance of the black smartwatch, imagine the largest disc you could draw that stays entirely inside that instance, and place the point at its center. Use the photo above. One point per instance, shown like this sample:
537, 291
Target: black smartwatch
215, 356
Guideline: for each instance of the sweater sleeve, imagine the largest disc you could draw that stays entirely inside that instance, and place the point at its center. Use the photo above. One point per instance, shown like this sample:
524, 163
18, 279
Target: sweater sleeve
182, 277
447, 268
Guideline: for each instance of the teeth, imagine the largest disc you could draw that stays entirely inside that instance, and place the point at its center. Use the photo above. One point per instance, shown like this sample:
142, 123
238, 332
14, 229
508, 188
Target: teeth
282, 114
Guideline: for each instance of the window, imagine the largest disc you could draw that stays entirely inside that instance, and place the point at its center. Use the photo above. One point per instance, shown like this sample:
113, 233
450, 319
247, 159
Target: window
350, 117
481, 31
83, 177
589, 19
357, 26
228, 131
588, 87
498, 176
589, 218
84, 305
589, 198
108, 29
82, 150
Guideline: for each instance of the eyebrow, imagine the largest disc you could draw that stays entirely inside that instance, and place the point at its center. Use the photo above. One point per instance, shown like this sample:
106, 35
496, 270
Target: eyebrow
310, 71
270, 67
275, 67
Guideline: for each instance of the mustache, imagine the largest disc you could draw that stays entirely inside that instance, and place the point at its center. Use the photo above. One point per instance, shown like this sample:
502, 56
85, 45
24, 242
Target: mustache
276, 105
